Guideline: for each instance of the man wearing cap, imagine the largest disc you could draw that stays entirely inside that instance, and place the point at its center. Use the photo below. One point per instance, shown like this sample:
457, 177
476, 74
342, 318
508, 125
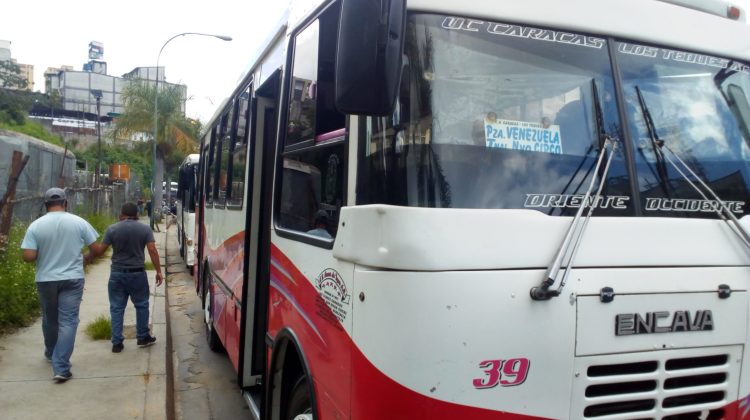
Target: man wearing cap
54, 242
127, 278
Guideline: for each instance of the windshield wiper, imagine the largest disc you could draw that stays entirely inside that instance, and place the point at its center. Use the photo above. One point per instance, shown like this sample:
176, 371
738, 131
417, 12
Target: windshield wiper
722, 210
600, 131
571, 242
656, 143
601, 135
569, 247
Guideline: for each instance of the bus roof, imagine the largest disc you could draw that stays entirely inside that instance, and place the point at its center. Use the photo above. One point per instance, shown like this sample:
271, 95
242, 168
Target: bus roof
191, 159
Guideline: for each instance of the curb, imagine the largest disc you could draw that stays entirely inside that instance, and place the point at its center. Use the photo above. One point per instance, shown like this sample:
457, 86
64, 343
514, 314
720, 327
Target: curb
170, 400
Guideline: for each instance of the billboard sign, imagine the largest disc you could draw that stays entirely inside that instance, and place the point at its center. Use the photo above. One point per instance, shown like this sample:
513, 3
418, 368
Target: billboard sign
96, 50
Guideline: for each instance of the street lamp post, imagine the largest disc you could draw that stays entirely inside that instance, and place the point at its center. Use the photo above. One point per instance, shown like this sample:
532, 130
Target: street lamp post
154, 187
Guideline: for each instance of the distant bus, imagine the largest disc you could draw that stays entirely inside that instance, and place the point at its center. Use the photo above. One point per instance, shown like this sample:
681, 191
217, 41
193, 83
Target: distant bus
186, 192
172, 189
440, 209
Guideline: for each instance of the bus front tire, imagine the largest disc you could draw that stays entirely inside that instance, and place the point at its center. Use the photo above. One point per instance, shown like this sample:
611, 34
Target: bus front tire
212, 338
299, 401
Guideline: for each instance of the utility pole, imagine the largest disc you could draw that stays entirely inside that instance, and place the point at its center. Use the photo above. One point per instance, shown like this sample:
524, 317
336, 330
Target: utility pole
98, 95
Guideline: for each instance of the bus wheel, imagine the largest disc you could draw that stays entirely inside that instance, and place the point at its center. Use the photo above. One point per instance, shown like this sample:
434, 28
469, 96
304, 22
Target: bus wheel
300, 404
211, 336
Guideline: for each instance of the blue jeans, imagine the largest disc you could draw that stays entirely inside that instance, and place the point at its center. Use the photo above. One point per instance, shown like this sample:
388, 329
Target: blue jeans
122, 286
60, 301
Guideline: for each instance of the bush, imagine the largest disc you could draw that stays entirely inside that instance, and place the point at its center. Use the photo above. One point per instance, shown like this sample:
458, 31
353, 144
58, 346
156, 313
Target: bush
19, 304
100, 328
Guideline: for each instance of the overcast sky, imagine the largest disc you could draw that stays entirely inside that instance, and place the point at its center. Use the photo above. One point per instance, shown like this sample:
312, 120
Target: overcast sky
49, 33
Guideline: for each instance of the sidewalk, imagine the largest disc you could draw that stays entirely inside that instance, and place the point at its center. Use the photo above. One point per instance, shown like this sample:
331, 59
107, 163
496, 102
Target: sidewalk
105, 385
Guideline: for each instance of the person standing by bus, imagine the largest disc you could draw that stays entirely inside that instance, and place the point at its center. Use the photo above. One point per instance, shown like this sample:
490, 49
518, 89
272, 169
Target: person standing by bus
54, 242
128, 278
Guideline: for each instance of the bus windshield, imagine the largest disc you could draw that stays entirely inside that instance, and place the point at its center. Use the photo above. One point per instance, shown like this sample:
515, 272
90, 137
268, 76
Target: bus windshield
698, 108
503, 116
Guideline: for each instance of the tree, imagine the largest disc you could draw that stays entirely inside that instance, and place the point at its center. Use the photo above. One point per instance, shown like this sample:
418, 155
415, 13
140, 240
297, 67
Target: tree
176, 134
139, 162
10, 75
13, 107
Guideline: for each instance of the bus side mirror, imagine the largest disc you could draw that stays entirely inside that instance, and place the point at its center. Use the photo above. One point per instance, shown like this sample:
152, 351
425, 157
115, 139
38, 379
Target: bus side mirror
739, 105
369, 55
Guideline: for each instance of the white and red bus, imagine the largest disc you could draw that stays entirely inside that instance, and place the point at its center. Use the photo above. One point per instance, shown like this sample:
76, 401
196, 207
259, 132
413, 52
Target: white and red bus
186, 195
431, 209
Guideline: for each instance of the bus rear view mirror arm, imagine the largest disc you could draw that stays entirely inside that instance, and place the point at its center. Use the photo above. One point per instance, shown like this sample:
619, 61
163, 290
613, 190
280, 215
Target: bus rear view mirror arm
369, 56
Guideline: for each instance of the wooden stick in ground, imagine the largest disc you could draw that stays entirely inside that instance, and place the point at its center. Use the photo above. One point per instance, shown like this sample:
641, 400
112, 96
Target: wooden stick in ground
60, 179
18, 162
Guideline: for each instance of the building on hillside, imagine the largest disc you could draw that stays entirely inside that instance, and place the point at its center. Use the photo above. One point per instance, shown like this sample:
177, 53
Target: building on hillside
146, 73
76, 92
26, 70
4, 50
52, 77
75, 88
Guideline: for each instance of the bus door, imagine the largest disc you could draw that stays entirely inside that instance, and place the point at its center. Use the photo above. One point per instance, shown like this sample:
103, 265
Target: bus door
263, 120
202, 203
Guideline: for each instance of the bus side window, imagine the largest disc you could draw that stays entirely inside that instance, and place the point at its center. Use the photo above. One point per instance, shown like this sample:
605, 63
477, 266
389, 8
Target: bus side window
222, 156
311, 104
239, 150
313, 176
211, 169
312, 190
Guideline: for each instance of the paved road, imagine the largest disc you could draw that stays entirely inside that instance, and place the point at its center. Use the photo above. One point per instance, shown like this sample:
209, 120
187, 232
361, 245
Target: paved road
205, 383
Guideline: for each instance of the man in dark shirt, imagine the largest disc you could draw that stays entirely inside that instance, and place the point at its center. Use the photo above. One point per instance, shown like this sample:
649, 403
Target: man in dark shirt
127, 278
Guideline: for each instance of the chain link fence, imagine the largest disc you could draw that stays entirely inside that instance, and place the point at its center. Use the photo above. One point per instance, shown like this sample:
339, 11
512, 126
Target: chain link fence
82, 201
53, 166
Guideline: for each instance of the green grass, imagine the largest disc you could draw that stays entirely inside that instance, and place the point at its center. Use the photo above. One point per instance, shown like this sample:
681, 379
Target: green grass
34, 129
100, 328
19, 304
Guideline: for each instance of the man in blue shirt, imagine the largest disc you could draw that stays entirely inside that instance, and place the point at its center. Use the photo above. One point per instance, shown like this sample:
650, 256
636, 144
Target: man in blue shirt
54, 242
